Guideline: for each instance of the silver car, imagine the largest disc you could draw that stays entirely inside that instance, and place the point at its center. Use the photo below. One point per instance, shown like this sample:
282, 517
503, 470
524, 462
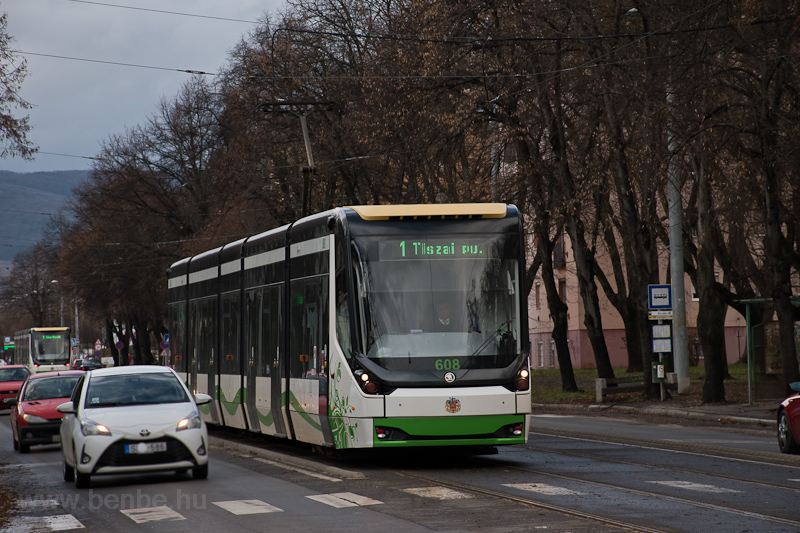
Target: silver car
132, 419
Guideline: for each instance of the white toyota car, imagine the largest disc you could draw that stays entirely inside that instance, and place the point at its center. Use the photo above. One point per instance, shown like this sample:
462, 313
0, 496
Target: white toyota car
129, 419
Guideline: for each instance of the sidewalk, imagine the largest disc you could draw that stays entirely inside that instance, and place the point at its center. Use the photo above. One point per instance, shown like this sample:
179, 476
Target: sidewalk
761, 413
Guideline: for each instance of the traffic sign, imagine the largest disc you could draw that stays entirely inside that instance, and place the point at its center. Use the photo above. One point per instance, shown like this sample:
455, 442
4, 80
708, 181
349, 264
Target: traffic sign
660, 315
659, 296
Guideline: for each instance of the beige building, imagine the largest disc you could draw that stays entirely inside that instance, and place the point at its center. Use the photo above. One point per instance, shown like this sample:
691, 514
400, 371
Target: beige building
543, 350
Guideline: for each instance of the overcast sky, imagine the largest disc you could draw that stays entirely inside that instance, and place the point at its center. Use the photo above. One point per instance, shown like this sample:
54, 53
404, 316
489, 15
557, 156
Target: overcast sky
80, 104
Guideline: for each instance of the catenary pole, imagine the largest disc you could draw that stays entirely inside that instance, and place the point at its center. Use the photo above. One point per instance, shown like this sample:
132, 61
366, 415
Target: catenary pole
680, 344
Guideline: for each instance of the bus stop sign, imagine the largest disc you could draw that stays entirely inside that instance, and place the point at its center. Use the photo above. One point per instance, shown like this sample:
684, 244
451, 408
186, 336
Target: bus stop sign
659, 296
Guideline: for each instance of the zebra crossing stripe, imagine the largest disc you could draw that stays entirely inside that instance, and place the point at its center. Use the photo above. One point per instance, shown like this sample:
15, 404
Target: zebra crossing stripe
152, 514
241, 507
438, 493
344, 499
543, 488
30, 524
62, 522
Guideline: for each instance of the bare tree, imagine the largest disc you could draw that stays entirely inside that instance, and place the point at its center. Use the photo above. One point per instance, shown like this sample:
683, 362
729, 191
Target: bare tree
13, 131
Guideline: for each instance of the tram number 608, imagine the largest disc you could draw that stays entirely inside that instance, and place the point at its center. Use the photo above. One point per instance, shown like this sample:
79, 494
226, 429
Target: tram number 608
447, 364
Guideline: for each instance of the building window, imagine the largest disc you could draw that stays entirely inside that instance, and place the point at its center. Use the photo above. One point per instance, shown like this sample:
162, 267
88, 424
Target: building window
562, 289
552, 354
536, 295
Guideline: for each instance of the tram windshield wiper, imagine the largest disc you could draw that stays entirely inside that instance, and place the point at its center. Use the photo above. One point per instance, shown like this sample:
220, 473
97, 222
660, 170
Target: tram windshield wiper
501, 329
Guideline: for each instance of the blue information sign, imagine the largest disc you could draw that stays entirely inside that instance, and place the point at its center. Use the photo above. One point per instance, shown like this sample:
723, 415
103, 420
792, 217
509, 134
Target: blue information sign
659, 296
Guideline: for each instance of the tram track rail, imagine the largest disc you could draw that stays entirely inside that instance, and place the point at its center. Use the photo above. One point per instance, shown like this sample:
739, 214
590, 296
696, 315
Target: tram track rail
673, 468
593, 516
771, 458
533, 503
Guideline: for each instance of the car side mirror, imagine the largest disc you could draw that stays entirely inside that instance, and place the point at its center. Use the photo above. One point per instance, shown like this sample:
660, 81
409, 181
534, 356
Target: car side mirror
202, 398
66, 408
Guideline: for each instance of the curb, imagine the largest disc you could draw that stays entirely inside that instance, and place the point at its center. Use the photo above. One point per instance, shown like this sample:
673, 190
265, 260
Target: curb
661, 411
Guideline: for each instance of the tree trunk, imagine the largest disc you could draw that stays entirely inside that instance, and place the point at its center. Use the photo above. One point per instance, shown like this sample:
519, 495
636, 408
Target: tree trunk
558, 312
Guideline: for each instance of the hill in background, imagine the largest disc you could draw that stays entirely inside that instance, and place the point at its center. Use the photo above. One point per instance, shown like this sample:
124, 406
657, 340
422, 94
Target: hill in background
26, 201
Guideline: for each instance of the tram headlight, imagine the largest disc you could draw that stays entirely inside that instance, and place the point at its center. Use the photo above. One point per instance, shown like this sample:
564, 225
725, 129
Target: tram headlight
368, 386
521, 381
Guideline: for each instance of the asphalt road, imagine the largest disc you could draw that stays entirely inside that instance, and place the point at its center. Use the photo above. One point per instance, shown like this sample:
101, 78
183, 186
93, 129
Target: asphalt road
576, 474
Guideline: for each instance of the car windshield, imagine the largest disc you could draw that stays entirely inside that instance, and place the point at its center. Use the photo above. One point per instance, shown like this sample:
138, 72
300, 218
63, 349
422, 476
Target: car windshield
134, 389
49, 388
13, 374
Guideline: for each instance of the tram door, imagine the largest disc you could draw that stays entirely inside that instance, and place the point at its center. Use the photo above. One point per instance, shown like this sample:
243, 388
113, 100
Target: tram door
265, 381
203, 368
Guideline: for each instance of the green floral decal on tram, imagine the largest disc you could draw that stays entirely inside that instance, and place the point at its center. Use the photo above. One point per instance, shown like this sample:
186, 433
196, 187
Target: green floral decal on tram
344, 435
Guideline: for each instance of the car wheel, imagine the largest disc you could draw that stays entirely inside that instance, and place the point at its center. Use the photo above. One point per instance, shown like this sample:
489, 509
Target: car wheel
67, 471
200, 472
82, 480
786, 440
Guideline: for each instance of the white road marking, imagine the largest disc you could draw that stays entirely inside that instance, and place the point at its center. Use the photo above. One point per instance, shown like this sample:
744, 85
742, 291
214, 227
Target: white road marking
543, 488
62, 522
439, 493
343, 499
36, 524
240, 507
36, 503
152, 514
688, 485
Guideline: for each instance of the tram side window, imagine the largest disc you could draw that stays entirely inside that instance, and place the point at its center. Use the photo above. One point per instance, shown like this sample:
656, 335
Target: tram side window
343, 314
253, 342
204, 334
272, 326
309, 332
230, 334
177, 324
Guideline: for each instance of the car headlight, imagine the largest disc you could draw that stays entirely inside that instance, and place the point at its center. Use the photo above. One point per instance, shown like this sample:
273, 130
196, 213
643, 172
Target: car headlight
192, 421
91, 428
33, 419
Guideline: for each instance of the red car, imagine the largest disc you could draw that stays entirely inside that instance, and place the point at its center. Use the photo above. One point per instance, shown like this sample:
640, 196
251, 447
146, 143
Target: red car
789, 422
11, 379
34, 419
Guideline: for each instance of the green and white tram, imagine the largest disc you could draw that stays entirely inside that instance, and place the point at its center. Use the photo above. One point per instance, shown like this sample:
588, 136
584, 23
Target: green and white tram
359, 327
42, 349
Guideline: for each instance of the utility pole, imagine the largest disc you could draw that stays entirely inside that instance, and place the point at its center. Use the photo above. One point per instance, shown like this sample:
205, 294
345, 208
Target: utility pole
680, 343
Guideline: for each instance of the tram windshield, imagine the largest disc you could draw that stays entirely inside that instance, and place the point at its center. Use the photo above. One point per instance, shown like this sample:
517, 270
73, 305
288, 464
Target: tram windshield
50, 347
438, 302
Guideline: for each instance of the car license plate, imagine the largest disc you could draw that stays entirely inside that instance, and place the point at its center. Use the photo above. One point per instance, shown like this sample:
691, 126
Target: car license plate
146, 447
56, 438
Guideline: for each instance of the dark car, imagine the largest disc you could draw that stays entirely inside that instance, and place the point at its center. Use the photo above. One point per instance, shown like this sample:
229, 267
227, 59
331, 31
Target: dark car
11, 379
86, 364
34, 419
789, 422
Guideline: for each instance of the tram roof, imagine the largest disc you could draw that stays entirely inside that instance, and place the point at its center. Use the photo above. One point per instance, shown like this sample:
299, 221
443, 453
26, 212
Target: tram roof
386, 212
